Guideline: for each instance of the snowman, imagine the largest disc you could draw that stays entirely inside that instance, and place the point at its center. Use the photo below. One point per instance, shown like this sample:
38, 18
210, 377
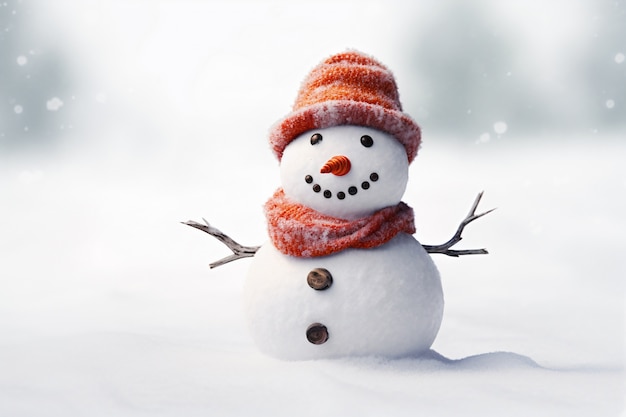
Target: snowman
342, 274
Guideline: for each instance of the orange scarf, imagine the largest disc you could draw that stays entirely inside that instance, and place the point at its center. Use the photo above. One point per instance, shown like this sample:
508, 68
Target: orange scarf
298, 230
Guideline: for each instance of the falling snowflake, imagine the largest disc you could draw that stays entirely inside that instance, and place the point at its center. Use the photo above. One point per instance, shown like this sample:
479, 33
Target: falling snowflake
54, 104
18, 109
620, 57
21, 60
484, 138
610, 104
500, 127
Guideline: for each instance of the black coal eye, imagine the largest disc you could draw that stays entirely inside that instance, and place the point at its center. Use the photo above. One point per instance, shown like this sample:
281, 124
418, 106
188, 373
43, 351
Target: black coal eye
367, 141
316, 138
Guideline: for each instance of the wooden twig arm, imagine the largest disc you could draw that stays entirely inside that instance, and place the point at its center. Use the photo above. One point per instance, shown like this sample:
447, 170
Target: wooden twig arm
239, 251
445, 248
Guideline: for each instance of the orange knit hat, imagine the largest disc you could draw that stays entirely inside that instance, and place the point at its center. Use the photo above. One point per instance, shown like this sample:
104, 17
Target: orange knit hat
349, 88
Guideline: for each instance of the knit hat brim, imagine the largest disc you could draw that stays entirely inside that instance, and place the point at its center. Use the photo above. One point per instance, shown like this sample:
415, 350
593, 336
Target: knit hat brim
346, 112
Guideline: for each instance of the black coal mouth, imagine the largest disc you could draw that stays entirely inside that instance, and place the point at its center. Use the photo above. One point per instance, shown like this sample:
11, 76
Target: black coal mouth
341, 195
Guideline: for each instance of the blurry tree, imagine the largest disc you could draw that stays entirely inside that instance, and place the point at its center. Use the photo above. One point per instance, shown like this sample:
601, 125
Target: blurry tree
603, 66
473, 74
33, 81
469, 76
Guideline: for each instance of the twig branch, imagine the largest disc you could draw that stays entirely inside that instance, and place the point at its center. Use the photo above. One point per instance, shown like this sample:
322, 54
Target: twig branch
239, 251
445, 248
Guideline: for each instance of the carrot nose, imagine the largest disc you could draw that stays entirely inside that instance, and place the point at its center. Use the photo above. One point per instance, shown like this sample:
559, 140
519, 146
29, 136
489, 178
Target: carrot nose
338, 165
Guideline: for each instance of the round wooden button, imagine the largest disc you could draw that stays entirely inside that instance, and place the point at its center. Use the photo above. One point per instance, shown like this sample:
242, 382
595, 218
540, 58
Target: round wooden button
317, 333
319, 279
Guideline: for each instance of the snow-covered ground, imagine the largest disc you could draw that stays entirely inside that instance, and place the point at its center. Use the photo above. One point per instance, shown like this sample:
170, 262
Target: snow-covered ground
107, 304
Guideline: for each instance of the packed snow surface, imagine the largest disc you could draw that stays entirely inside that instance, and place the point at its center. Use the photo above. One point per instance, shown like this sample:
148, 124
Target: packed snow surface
108, 306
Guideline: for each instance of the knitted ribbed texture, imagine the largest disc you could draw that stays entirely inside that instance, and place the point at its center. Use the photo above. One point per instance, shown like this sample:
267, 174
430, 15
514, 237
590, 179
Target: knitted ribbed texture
349, 88
298, 230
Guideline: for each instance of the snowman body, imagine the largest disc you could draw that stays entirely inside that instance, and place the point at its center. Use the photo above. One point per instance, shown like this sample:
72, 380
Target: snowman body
386, 300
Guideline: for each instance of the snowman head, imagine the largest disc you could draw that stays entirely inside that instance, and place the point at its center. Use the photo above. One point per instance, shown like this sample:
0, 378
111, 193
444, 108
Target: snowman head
345, 171
346, 146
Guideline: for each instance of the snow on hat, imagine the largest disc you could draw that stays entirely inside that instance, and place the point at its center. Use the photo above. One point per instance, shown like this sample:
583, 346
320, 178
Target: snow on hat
349, 88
